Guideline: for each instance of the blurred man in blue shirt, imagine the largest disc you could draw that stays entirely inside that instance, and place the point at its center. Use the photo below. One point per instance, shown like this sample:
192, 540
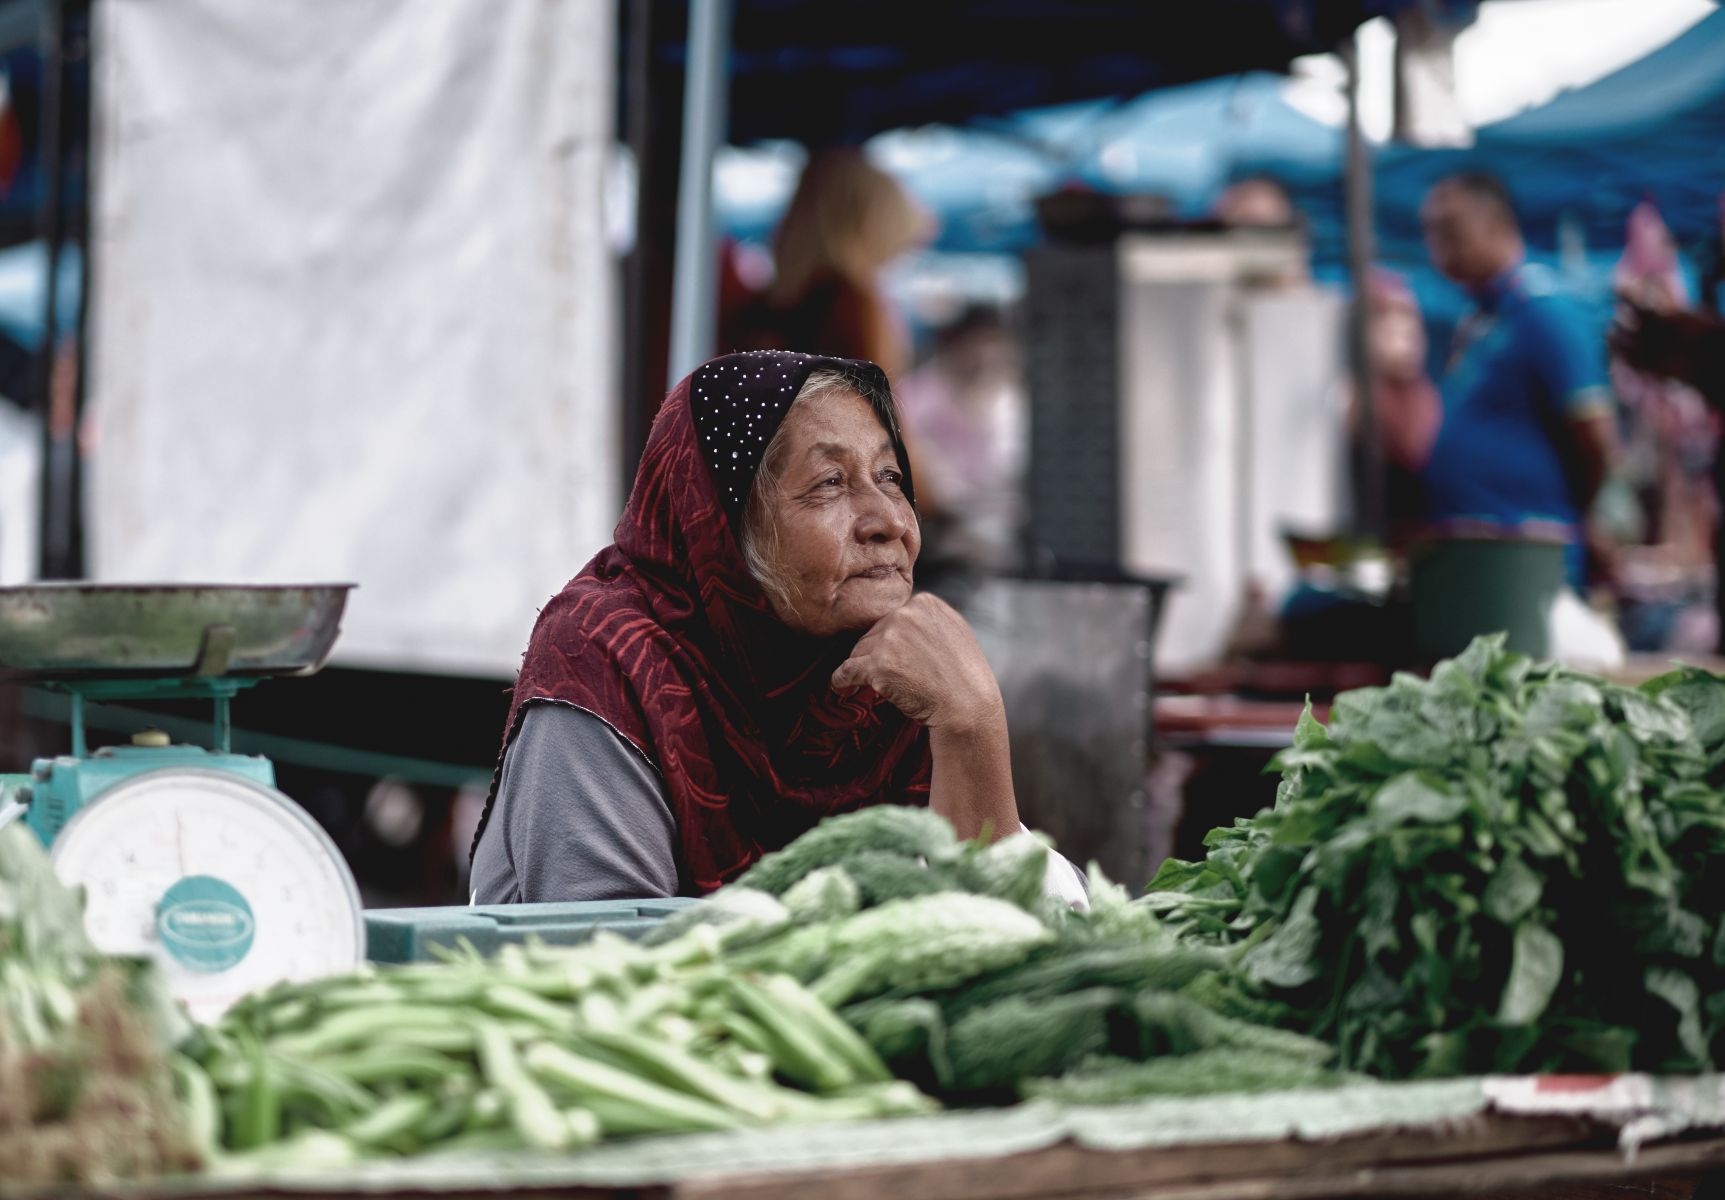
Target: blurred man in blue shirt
1528, 434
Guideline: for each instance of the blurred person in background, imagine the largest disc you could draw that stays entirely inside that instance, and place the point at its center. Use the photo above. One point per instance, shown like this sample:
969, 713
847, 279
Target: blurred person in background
1688, 346
965, 422
1674, 341
1682, 345
1405, 402
1669, 455
1256, 201
846, 222
1529, 434
1404, 399
1261, 202
1326, 613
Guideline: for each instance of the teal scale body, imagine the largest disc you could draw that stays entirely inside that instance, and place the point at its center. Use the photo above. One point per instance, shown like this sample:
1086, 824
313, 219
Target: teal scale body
58, 788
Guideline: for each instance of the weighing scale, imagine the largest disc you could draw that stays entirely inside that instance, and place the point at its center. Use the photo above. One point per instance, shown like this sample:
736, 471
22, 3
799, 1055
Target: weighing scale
187, 855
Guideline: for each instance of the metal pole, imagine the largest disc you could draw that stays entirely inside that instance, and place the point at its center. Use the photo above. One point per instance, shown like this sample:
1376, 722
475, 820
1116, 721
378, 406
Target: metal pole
77, 53
80, 746
695, 285
1369, 513
58, 445
653, 102
636, 381
224, 723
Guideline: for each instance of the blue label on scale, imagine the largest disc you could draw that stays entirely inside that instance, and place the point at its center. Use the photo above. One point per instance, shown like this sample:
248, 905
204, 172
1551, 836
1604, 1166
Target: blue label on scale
205, 923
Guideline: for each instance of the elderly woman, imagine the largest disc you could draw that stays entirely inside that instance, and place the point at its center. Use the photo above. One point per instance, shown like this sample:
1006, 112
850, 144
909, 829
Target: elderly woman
747, 658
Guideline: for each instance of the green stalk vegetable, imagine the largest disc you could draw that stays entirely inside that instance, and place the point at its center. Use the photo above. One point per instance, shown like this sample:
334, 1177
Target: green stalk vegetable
531, 1111
617, 1097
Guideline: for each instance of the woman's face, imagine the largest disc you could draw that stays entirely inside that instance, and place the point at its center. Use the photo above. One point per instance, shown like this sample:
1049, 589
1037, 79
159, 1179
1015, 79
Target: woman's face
847, 536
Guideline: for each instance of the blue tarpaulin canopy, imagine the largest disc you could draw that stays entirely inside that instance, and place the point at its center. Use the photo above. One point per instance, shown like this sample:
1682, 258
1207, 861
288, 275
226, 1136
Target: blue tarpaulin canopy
1576, 166
1683, 80
1188, 142
1654, 129
1184, 143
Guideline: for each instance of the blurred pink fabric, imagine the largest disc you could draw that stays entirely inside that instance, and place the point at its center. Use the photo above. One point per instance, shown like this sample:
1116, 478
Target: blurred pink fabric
1648, 268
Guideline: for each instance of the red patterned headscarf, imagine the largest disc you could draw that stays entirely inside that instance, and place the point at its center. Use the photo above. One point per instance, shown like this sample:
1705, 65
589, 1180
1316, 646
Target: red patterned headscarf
667, 638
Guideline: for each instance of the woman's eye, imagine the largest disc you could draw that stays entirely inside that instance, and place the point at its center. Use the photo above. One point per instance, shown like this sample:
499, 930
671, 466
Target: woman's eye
893, 477
830, 481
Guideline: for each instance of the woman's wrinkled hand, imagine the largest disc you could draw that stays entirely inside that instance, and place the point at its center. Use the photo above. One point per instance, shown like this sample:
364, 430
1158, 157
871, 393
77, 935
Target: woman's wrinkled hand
923, 659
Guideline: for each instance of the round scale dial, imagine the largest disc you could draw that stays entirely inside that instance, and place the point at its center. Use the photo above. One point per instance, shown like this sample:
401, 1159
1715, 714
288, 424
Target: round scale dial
228, 885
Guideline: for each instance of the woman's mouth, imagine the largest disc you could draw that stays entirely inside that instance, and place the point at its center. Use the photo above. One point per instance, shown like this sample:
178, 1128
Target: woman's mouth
884, 571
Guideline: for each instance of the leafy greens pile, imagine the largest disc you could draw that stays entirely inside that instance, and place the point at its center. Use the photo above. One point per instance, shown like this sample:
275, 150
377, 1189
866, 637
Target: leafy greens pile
1507, 867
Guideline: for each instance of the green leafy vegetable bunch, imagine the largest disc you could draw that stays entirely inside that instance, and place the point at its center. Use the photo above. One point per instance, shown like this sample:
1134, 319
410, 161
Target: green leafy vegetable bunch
1508, 866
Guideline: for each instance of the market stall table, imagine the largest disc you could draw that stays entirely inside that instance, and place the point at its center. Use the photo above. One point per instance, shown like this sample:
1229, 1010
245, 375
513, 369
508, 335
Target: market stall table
1474, 1137
1639, 668
1216, 722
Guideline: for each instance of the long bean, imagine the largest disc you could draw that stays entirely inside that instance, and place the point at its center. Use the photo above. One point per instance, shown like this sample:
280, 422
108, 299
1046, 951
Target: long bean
586, 1080
360, 1027
797, 1052
392, 1123
537, 1049
665, 1064
531, 1111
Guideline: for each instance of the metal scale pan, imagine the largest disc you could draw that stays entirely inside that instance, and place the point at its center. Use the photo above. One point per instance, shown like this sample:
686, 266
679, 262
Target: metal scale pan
70, 631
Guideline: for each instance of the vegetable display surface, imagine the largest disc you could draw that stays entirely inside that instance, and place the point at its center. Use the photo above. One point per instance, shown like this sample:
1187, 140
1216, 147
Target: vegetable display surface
1506, 867
942, 973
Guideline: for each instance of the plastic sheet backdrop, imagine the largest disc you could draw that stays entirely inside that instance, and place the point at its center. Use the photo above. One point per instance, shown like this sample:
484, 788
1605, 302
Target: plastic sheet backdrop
20, 494
352, 307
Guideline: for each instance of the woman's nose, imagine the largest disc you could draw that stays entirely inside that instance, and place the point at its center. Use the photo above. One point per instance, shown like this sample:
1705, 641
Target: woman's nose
880, 517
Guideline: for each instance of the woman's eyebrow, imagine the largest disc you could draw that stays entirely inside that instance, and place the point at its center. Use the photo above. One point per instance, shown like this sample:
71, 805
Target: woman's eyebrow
842, 450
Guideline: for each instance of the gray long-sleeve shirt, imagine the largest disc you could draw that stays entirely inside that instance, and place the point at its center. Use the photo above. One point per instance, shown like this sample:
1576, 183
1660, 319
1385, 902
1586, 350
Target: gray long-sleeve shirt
579, 815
